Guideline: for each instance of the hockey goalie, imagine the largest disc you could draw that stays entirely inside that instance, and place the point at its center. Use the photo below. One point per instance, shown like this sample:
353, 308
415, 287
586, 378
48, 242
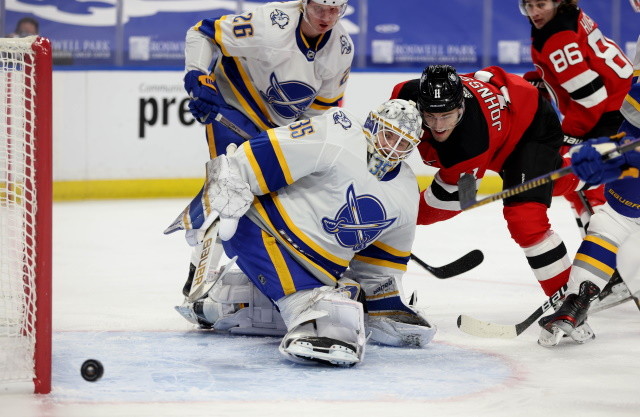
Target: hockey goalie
320, 216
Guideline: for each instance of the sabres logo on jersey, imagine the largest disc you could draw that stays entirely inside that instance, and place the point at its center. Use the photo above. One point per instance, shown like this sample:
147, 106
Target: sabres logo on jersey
280, 18
359, 222
288, 98
345, 45
340, 118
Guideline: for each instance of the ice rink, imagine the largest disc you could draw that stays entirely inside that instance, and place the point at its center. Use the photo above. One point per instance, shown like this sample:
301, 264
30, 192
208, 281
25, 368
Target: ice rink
117, 278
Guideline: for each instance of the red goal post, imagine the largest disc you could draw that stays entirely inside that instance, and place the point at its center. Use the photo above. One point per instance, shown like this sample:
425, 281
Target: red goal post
25, 214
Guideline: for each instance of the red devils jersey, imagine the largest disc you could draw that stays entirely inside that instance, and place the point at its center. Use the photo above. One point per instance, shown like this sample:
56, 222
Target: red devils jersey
488, 132
585, 72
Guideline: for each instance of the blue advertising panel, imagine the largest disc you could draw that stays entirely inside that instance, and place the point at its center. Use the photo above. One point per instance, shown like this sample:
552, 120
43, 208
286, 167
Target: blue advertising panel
393, 35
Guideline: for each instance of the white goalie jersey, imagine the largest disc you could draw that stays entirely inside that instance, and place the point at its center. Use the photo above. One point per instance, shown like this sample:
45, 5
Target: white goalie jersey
333, 213
268, 70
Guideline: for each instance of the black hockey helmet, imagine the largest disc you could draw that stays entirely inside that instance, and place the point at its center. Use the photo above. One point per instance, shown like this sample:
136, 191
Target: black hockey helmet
440, 89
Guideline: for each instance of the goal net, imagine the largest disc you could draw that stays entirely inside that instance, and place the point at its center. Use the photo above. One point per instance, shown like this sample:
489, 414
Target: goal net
25, 214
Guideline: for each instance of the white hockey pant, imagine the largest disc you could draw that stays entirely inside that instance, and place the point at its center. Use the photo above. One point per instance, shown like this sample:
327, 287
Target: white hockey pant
324, 325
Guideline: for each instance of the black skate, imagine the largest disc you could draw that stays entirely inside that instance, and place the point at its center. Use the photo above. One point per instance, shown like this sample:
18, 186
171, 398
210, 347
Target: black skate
570, 318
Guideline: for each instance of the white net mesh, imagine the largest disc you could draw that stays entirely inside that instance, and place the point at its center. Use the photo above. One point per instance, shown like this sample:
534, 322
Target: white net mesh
17, 211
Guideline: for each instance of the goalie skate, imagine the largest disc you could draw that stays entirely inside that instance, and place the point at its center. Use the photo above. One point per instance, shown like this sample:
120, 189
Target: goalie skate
323, 350
325, 326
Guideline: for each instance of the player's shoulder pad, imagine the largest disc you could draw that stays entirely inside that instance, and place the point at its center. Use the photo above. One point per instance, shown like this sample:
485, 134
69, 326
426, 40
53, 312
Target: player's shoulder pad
338, 116
278, 17
340, 35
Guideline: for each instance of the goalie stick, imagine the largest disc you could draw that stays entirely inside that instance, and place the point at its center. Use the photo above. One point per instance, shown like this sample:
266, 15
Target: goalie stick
461, 265
488, 329
467, 183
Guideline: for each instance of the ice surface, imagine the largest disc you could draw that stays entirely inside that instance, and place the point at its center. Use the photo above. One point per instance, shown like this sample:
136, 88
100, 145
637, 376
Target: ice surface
117, 278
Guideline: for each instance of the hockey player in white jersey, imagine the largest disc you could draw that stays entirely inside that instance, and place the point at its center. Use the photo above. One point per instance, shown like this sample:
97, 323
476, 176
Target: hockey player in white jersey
316, 212
271, 66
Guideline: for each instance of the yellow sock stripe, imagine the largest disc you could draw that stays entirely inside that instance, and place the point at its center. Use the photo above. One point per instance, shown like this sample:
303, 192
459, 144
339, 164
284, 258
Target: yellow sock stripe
603, 243
595, 263
286, 281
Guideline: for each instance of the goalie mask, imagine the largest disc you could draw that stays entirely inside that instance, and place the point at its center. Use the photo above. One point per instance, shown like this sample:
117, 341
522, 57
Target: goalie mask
393, 130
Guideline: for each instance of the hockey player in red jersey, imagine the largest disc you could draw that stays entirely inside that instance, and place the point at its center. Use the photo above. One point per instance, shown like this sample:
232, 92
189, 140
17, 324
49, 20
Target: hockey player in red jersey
492, 120
585, 73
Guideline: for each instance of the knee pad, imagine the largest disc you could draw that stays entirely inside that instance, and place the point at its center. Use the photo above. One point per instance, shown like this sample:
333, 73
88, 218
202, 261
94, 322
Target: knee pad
527, 222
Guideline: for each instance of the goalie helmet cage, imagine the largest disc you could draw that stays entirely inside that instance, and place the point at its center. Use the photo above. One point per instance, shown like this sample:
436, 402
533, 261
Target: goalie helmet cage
25, 214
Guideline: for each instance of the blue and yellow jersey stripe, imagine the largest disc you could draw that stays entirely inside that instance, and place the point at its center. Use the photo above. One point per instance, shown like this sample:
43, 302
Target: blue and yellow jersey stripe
270, 210
268, 162
383, 255
244, 92
321, 103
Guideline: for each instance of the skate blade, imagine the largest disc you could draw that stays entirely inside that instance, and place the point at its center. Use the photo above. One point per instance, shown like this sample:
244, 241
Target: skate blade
334, 355
548, 338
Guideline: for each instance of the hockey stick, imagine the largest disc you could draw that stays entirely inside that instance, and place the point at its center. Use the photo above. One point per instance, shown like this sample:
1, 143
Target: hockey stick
481, 328
209, 256
457, 267
488, 329
467, 183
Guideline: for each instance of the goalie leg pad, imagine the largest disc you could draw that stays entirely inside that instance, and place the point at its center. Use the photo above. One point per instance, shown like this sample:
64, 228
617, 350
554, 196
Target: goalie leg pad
236, 306
390, 320
325, 326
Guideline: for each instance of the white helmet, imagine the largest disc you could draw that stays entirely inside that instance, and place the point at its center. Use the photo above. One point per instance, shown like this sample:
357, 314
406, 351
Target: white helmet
393, 130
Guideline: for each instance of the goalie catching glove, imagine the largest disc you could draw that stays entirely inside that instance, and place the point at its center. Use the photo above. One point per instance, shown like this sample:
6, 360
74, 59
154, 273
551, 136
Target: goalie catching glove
225, 194
206, 100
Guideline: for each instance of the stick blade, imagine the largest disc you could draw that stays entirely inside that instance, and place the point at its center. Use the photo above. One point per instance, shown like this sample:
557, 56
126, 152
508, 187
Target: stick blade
480, 328
460, 266
467, 191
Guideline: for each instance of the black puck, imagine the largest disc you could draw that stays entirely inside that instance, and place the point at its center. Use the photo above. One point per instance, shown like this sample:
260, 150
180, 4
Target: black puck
91, 370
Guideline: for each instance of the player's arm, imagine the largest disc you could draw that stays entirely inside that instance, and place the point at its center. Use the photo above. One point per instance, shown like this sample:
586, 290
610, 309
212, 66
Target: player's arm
440, 201
565, 56
279, 157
